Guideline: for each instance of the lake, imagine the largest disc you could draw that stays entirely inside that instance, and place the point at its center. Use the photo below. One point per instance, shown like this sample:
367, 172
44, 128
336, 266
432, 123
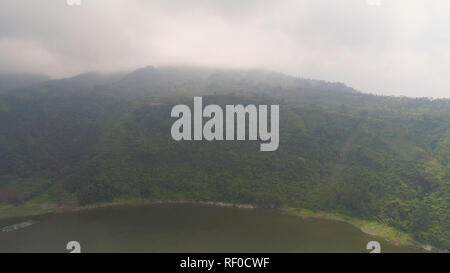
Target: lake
186, 228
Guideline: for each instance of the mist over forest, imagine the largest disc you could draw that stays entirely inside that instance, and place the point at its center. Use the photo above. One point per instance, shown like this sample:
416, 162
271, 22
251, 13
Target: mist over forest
97, 138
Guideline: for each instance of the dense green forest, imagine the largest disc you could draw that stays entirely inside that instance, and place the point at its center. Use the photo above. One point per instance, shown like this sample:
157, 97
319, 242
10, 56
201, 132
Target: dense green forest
100, 138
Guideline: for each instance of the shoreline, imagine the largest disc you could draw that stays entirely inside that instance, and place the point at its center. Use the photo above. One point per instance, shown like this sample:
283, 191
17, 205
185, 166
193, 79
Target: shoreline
391, 235
373, 228
32, 210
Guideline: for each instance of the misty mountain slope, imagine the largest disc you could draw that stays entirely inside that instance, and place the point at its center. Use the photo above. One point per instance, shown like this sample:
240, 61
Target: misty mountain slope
377, 158
10, 82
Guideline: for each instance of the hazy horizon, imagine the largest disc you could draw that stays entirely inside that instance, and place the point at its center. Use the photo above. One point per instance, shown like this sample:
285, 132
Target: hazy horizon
393, 47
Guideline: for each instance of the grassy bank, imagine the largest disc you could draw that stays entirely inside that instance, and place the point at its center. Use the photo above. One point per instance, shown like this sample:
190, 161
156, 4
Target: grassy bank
8, 211
374, 228
32, 209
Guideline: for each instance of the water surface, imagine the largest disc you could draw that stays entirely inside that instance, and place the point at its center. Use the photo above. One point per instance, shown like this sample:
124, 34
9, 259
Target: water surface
186, 228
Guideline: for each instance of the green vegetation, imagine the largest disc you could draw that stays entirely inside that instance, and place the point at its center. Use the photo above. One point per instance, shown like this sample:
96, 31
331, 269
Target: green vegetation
101, 139
370, 227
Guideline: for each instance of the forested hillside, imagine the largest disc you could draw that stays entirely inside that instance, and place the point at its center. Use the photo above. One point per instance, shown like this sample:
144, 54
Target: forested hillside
101, 138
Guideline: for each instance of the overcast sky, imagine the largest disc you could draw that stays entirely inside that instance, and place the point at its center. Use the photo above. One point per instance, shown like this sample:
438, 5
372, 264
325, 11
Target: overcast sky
399, 47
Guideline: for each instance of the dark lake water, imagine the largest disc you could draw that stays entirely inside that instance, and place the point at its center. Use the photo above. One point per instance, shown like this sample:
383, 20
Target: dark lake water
186, 228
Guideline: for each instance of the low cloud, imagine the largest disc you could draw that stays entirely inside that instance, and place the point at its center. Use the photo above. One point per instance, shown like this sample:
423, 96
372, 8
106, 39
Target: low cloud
399, 47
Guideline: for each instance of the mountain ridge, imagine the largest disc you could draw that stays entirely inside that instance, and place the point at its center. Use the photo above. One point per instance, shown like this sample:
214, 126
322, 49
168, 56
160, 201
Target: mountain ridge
103, 139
